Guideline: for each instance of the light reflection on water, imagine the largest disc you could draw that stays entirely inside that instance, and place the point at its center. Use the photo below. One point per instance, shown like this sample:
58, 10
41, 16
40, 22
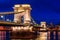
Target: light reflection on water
25, 39
51, 37
42, 36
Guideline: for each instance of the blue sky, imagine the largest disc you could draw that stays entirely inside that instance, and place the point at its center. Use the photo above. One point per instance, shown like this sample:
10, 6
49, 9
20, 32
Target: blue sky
42, 10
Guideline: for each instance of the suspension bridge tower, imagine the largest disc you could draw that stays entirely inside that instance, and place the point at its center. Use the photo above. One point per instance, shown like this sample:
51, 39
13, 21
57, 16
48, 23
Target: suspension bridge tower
43, 35
22, 10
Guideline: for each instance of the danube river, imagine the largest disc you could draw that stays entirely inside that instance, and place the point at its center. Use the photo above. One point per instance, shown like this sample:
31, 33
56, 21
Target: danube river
42, 36
45, 36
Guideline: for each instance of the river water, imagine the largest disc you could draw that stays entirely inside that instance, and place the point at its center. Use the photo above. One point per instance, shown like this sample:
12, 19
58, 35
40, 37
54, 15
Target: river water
42, 36
57, 37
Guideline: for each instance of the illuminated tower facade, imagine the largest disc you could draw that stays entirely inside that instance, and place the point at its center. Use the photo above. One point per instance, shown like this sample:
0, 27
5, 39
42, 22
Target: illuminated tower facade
27, 9
22, 10
19, 13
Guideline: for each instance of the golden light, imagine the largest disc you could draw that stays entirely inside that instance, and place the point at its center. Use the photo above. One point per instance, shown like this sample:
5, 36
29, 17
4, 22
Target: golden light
21, 27
25, 5
2, 16
21, 9
26, 28
18, 28
18, 8
17, 5
30, 28
13, 28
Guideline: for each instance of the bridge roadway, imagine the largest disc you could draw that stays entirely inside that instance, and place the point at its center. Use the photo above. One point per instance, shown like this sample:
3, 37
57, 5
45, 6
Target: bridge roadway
35, 28
32, 35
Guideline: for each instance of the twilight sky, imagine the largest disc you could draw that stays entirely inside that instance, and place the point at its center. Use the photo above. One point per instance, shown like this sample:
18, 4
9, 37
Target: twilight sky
42, 10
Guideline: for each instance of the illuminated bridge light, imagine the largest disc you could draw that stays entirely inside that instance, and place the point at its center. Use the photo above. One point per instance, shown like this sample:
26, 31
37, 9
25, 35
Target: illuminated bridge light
18, 28
14, 28
25, 28
21, 27
17, 6
2, 16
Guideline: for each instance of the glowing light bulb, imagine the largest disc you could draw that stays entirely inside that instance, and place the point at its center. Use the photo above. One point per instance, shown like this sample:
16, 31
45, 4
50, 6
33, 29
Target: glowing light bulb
2, 16
13, 28
21, 27
18, 28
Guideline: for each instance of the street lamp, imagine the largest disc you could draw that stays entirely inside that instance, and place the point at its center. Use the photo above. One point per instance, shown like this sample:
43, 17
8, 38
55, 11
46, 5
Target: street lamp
3, 18
8, 20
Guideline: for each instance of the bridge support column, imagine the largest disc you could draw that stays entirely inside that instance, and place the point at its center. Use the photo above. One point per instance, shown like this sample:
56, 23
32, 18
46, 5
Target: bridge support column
19, 10
43, 35
27, 17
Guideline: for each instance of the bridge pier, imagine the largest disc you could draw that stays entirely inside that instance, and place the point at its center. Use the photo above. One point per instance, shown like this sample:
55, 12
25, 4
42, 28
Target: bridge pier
42, 36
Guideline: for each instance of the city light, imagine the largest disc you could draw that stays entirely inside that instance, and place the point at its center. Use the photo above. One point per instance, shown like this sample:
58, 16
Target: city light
7, 20
14, 28
17, 6
25, 5
26, 28
30, 28
21, 28
2, 16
